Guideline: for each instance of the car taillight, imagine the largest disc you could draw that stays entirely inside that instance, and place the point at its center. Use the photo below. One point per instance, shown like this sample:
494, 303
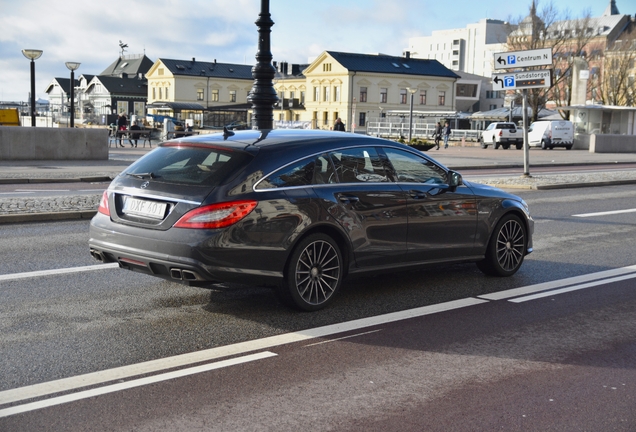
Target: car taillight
103, 204
500, 132
216, 215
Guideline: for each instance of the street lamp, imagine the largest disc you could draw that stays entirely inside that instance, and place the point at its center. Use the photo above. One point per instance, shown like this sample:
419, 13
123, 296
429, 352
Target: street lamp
412, 91
72, 66
263, 95
33, 55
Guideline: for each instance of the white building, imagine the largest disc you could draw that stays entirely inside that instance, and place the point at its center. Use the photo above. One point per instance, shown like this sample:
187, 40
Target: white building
470, 49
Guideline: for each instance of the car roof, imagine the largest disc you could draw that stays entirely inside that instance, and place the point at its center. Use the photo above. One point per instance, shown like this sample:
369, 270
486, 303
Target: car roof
282, 139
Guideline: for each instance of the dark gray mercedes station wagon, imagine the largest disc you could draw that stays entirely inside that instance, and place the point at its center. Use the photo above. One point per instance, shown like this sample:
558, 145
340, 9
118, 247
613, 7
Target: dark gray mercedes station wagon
300, 210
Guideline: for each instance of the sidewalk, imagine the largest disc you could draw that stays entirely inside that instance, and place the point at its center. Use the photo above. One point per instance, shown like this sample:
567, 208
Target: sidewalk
459, 158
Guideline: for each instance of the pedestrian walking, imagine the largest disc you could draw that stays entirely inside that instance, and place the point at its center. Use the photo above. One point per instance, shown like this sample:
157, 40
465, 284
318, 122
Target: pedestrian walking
339, 125
438, 134
446, 132
122, 125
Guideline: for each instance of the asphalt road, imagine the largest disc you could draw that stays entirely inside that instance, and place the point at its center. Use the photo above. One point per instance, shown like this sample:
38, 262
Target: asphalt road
471, 362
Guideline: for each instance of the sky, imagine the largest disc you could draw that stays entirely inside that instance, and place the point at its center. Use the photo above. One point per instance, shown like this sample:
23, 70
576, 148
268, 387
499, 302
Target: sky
89, 31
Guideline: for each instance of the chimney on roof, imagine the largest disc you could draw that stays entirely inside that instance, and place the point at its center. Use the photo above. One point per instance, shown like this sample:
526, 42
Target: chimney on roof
407, 54
193, 59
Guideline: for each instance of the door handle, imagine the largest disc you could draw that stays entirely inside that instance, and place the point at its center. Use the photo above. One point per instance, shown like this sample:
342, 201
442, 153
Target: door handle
348, 199
415, 194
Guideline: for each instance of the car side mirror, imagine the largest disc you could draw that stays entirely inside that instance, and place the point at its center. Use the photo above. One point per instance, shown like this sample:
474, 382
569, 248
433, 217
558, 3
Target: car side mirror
454, 179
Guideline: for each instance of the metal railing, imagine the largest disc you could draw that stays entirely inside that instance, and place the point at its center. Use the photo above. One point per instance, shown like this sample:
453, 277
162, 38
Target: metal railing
396, 130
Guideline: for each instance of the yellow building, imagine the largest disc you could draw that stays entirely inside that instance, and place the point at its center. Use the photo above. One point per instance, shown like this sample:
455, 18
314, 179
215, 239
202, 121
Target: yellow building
356, 87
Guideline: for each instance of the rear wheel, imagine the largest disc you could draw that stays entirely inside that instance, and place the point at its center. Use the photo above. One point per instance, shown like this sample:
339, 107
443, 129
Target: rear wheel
544, 145
495, 144
483, 144
519, 146
505, 146
568, 147
506, 248
314, 273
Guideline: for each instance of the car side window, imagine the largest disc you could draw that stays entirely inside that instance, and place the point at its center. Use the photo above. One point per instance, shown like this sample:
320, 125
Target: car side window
309, 171
411, 168
359, 165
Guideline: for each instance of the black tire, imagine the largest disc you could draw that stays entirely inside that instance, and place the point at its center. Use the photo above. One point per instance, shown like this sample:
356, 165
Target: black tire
313, 275
483, 144
544, 145
568, 147
506, 248
495, 144
519, 146
505, 146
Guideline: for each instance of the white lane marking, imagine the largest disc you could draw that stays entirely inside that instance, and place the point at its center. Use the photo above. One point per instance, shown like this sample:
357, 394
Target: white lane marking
342, 338
95, 378
606, 213
16, 276
132, 384
530, 289
572, 288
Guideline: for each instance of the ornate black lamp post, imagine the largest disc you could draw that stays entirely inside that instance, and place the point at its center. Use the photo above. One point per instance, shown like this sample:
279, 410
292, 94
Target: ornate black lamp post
72, 66
263, 95
33, 55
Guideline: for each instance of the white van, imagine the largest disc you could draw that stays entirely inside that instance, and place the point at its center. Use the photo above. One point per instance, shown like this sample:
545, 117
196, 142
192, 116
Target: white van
549, 134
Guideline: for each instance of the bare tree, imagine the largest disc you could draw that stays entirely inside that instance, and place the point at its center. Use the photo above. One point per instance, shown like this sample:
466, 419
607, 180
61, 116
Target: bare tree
615, 85
547, 28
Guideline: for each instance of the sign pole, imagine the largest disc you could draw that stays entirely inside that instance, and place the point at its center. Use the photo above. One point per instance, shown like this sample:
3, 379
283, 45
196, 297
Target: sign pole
526, 147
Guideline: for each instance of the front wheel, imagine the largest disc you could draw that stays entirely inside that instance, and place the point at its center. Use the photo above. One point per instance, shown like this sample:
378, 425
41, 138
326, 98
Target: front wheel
544, 145
506, 248
314, 273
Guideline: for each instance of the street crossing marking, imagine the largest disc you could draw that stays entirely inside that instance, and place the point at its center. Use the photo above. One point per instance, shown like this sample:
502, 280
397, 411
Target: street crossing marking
606, 213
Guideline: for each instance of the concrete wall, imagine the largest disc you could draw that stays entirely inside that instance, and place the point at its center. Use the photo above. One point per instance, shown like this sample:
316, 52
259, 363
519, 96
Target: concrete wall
612, 143
40, 143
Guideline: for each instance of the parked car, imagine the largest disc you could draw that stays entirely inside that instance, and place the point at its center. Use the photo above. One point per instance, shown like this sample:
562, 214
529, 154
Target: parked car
549, 134
301, 210
502, 134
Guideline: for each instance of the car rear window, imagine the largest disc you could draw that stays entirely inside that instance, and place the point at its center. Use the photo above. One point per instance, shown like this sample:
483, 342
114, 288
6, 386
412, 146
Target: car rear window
195, 165
506, 126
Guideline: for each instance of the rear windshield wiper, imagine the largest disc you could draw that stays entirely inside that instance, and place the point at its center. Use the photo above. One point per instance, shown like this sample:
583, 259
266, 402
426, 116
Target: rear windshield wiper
143, 175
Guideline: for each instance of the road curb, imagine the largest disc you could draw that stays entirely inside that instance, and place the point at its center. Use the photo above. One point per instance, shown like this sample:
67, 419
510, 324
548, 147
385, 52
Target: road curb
47, 217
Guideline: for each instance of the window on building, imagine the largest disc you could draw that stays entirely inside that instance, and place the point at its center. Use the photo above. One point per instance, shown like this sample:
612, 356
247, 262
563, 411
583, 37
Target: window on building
139, 109
326, 67
199, 94
422, 97
160, 93
363, 119
122, 107
363, 94
215, 95
325, 118
336, 94
292, 94
442, 98
383, 95
326, 93
232, 95
302, 97
316, 94
160, 71
154, 93
167, 96
403, 96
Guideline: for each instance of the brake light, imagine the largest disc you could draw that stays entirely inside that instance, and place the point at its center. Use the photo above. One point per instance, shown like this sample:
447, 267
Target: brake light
500, 132
103, 204
216, 215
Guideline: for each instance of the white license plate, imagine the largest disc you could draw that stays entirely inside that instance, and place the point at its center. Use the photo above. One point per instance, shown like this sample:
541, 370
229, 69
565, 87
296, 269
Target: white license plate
151, 209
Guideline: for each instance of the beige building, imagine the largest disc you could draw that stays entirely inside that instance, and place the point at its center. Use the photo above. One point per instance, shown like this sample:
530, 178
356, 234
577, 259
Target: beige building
357, 87
210, 93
